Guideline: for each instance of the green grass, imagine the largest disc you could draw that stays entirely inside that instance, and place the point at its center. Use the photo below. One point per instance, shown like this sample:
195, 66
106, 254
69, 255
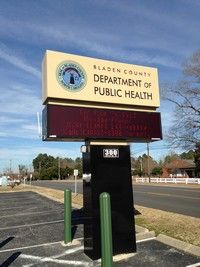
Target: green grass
175, 231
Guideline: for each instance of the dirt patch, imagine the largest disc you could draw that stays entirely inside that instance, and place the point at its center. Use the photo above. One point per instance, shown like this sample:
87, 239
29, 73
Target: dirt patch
16, 188
182, 227
54, 194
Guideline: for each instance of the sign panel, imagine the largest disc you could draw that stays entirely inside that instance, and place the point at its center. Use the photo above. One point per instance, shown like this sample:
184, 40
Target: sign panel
75, 172
69, 77
111, 153
79, 124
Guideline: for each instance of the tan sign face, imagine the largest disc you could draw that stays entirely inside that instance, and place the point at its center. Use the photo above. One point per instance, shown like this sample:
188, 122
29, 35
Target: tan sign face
71, 77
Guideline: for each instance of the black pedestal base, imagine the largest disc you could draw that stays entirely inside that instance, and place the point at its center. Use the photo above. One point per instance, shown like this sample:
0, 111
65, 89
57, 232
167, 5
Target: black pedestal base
111, 174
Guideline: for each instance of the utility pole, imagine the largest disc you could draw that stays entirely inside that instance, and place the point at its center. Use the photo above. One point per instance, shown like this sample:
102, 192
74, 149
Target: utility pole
39, 169
10, 165
141, 167
58, 168
148, 169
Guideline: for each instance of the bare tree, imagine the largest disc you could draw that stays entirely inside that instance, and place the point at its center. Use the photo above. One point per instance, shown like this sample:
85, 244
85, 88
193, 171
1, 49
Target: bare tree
185, 131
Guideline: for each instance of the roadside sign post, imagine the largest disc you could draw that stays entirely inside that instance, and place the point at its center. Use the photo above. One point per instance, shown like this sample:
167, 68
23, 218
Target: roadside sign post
107, 105
75, 178
31, 177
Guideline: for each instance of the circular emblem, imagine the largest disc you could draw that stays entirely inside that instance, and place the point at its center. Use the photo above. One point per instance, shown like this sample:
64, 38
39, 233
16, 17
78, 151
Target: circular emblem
71, 76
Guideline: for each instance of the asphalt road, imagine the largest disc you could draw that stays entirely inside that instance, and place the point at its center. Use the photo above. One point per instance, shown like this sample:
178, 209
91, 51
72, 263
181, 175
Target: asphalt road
183, 200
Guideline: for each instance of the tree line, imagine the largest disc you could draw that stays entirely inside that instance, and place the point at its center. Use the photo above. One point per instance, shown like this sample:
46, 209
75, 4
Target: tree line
142, 165
47, 167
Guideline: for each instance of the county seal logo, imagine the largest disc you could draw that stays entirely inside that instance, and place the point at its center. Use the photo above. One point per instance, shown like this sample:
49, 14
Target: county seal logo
71, 76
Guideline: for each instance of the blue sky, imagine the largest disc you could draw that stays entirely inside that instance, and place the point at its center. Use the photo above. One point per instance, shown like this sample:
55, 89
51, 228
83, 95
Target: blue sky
149, 32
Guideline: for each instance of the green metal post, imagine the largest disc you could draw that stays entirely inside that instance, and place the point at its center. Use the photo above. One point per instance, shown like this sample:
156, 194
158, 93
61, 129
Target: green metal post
67, 216
106, 231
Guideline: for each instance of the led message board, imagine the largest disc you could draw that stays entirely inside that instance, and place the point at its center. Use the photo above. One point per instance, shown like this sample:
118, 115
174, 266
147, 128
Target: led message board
79, 124
68, 77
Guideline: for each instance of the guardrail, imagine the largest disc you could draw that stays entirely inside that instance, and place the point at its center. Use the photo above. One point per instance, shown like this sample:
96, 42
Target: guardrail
169, 180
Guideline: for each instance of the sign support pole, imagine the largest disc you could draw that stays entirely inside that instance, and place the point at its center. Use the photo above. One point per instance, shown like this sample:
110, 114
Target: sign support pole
148, 167
75, 181
75, 185
107, 168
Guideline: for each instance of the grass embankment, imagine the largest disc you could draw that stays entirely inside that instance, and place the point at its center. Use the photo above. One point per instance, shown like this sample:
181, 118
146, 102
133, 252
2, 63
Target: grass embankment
179, 226
182, 227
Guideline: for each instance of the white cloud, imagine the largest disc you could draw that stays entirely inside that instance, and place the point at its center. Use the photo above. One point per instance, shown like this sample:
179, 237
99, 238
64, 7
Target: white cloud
148, 29
102, 40
32, 127
19, 102
19, 106
11, 58
10, 120
19, 131
92, 42
132, 56
131, 23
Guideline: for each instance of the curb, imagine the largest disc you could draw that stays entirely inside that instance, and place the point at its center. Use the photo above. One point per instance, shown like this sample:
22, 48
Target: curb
186, 247
76, 206
145, 235
75, 242
140, 229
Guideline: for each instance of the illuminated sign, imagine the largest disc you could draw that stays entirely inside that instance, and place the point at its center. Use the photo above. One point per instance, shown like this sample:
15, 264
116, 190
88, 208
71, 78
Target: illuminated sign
79, 124
69, 77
